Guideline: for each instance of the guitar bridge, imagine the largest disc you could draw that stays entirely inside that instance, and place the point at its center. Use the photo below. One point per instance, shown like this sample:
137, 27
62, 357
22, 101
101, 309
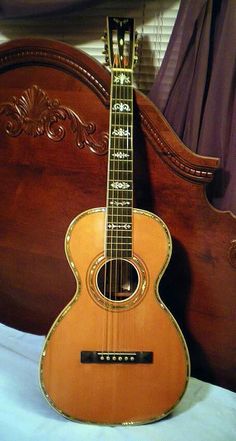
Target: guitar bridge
116, 357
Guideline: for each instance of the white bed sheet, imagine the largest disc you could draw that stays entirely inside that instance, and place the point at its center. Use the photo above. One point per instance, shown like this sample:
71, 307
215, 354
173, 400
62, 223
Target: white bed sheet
206, 413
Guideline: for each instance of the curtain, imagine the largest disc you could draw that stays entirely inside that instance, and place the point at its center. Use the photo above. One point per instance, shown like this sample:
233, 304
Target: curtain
195, 88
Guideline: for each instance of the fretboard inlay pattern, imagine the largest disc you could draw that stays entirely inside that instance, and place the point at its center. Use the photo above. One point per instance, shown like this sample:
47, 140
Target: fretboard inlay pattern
119, 225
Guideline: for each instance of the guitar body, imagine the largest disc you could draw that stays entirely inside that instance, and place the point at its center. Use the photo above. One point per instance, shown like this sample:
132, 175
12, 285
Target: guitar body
114, 384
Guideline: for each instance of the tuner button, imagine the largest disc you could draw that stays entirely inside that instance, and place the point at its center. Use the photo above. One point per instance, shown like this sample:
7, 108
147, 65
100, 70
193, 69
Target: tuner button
104, 36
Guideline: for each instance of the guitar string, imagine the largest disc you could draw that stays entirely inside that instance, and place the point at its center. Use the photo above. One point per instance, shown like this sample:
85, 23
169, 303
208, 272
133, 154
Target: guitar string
116, 218
130, 168
109, 231
112, 180
124, 216
113, 246
128, 271
124, 220
122, 161
118, 193
106, 242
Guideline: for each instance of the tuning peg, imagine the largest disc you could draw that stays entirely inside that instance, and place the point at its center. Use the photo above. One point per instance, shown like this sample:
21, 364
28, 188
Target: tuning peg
105, 51
104, 36
106, 63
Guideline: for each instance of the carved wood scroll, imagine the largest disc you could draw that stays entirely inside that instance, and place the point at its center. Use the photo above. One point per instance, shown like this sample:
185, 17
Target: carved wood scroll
35, 114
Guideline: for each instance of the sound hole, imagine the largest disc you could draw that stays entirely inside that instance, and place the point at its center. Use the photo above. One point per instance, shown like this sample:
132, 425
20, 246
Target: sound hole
117, 280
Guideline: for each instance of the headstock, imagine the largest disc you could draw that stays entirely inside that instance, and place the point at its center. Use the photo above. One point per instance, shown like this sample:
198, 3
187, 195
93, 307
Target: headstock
120, 43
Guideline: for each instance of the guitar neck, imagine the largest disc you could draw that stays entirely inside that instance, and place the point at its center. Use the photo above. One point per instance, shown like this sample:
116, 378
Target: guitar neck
120, 166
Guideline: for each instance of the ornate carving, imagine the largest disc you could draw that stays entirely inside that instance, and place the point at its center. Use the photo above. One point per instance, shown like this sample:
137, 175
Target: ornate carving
35, 114
232, 253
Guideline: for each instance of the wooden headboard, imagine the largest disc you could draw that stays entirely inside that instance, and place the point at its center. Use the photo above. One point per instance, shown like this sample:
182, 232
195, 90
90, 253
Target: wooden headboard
54, 112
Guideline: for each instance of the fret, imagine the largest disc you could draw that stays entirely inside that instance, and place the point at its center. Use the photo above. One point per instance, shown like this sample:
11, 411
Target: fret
121, 119
119, 219
117, 215
120, 126
119, 178
121, 254
128, 243
121, 160
122, 165
120, 184
114, 251
124, 179
116, 210
126, 86
129, 100
120, 148
126, 115
121, 170
124, 234
113, 190
113, 194
119, 247
121, 137
119, 226
123, 122
119, 197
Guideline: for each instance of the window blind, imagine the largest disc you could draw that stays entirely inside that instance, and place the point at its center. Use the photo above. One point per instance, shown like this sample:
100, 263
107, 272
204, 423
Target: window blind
83, 28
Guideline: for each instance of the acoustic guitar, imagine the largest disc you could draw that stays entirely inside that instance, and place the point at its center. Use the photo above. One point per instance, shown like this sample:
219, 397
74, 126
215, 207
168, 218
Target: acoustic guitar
115, 354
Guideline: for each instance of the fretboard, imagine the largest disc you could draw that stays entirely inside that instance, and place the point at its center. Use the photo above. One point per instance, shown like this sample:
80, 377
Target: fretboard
119, 223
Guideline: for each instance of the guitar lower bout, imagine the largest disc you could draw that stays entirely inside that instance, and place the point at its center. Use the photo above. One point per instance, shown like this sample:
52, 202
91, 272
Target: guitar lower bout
115, 354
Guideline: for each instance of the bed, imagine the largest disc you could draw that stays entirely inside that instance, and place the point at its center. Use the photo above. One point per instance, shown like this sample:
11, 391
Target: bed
206, 412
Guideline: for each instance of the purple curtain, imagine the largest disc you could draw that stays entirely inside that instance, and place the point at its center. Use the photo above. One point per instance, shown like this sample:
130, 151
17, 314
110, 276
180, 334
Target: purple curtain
195, 87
